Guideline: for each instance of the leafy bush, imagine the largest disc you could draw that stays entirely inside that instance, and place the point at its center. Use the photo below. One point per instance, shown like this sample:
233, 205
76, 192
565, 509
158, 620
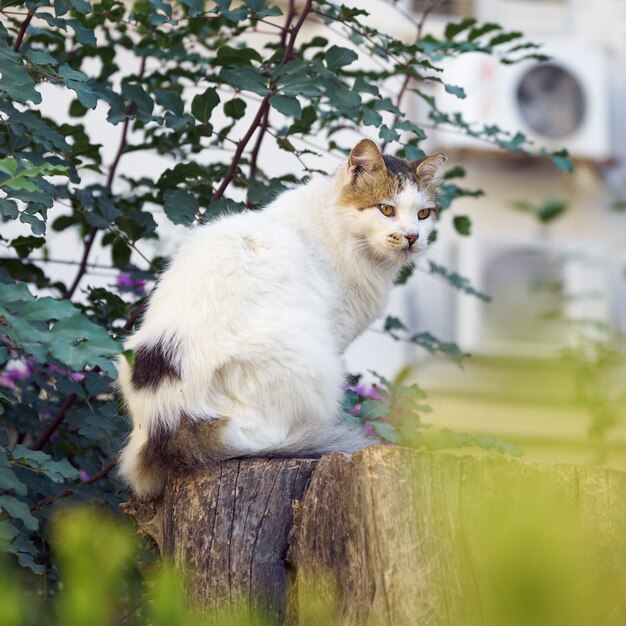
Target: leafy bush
190, 82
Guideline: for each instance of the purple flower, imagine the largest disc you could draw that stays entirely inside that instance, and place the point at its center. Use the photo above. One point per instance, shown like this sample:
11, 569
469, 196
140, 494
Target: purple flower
366, 391
15, 371
84, 476
77, 377
125, 282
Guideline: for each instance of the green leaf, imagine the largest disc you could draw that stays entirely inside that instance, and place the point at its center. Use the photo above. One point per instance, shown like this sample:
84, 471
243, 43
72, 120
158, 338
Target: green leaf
455, 90
483, 29
82, 6
386, 431
260, 9
37, 225
223, 7
431, 344
77, 81
413, 153
458, 281
447, 438
360, 84
129, 355
245, 78
8, 208
338, 57
454, 28
562, 160
46, 308
25, 245
372, 118
181, 207
77, 341
462, 224
235, 108
56, 471
237, 56
405, 273
19, 510
505, 38
551, 208
411, 127
8, 165
195, 6
393, 323
10, 482
40, 57
169, 99
203, 104
373, 409
144, 104
350, 400
286, 105
387, 134
84, 35
16, 80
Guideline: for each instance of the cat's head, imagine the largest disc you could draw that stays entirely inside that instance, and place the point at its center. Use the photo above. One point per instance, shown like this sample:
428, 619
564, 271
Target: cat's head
390, 202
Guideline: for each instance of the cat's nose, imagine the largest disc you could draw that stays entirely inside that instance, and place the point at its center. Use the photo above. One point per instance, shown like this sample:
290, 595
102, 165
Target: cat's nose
412, 238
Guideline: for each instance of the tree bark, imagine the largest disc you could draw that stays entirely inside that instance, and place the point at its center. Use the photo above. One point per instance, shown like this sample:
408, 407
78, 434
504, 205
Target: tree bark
397, 536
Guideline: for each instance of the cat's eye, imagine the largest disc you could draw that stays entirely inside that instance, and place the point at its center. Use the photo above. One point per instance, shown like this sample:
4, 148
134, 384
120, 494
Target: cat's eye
422, 214
387, 210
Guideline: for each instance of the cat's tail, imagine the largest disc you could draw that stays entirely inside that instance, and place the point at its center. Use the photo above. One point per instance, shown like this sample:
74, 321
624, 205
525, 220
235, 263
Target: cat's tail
316, 439
145, 462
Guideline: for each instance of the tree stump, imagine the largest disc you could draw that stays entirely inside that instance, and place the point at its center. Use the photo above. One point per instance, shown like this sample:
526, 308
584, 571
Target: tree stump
397, 536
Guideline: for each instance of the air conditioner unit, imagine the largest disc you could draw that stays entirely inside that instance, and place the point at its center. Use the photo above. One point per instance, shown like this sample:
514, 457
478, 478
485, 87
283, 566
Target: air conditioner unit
545, 296
560, 103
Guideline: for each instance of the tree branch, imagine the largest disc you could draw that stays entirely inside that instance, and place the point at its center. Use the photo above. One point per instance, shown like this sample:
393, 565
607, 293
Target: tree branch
82, 268
68, 492
102, 473
407, 79
55, 423
292, 34
22, 32
128, 326
130, 109
254, 154
284, 32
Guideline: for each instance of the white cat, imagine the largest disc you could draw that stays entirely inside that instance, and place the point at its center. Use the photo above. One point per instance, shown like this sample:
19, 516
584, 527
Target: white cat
240, 350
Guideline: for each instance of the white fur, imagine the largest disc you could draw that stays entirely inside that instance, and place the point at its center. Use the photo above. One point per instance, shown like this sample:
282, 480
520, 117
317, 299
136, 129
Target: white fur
259, 308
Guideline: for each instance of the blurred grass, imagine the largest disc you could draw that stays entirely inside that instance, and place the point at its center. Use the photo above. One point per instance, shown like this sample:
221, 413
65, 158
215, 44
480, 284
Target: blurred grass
556, 410
544, 558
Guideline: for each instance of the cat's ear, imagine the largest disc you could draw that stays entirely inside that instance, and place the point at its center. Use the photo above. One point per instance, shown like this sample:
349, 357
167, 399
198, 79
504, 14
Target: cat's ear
364, 157
429, 170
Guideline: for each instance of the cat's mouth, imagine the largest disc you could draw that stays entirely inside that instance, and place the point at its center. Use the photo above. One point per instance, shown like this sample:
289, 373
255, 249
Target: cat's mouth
407, 250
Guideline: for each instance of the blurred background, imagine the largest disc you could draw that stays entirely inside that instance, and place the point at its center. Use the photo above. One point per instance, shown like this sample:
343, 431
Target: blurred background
548, 247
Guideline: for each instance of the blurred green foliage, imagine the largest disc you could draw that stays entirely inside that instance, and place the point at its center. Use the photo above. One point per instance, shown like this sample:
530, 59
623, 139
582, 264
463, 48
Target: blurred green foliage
535, 562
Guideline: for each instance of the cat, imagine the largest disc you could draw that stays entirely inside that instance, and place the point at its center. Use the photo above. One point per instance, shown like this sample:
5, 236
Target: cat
240, 349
